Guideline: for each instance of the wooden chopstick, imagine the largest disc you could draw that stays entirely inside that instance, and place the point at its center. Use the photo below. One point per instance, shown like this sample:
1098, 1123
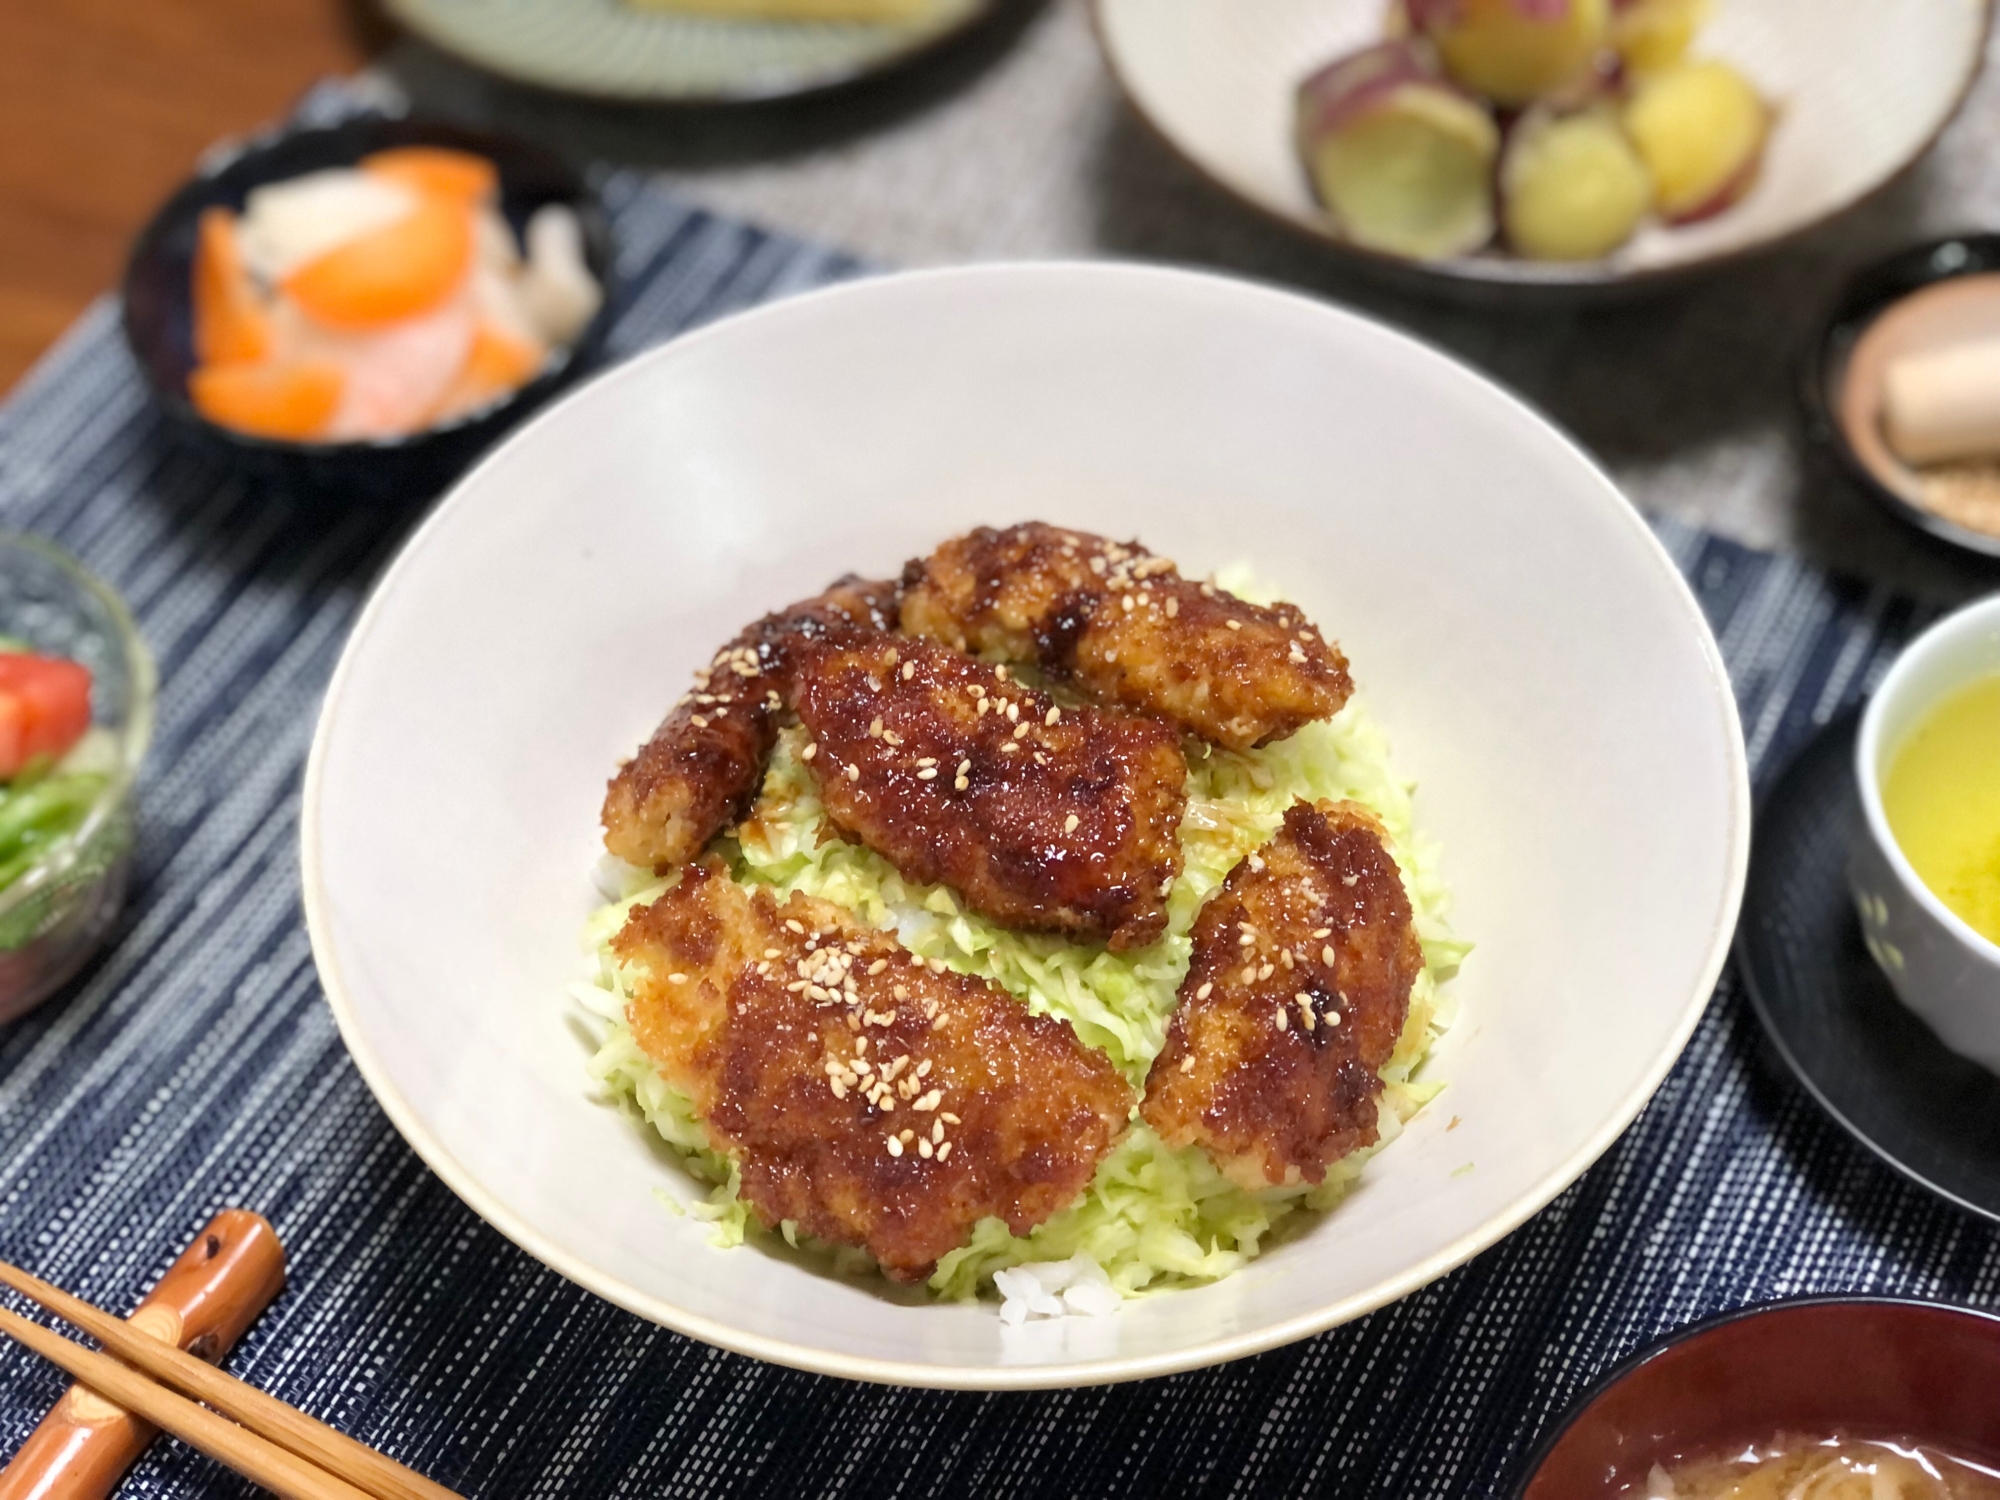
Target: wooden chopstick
362, 1473
266, 1463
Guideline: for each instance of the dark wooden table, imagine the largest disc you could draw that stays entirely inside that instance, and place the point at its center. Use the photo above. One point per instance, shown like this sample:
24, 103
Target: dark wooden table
104, 105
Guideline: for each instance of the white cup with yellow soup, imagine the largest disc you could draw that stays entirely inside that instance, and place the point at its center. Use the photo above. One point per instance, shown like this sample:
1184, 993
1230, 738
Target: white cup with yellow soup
1925, 873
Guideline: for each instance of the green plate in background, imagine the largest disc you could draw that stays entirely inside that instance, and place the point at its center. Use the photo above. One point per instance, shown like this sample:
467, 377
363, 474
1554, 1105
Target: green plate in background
610, 49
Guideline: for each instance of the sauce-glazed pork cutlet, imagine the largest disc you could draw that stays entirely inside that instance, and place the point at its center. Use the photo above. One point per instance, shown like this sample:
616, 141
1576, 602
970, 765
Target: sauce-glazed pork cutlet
1060, 819
1129, 630
698, 772
1298, 989
870, 1099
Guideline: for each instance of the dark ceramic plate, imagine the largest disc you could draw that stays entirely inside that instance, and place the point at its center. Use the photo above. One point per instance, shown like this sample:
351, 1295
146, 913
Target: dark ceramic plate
159, 323
1826, 366
1875, 1067
1866, 1367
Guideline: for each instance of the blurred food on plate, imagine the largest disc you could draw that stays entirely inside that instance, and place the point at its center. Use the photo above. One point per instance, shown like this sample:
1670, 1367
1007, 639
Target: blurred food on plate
1593, 112
379, 300
795, 10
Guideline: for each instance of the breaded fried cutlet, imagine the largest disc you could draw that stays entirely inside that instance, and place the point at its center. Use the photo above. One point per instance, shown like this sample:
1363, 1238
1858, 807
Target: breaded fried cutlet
1127, 629
870, 1098
1062, 820
698, 772
1298, 989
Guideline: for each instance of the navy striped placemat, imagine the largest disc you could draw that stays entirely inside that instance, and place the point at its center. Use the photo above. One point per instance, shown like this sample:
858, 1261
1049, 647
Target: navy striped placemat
195, 1066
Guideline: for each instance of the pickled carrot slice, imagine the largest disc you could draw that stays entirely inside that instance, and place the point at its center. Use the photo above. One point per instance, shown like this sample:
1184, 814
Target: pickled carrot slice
438, 171
499, 362
397, 271
289, 401
230, 321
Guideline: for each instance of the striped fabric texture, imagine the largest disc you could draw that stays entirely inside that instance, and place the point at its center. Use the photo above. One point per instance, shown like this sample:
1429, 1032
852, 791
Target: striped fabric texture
196, 1066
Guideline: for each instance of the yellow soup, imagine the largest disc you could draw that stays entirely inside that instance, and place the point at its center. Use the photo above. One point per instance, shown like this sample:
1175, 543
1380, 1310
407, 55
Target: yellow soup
1942, 798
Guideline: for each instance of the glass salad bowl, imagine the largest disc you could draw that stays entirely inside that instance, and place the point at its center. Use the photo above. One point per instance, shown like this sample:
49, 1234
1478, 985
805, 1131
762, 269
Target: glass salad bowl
66, 825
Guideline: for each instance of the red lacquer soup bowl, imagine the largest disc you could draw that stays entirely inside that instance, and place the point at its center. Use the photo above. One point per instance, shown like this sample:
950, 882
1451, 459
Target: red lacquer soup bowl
1860, 1367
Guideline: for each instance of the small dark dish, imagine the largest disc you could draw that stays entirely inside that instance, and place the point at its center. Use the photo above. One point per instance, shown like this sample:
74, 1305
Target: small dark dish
1823, 378
158, 302
1870, 1062
1884, 1368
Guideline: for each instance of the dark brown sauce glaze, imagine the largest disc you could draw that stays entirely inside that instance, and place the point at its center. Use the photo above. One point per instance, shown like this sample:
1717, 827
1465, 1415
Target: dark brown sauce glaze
1038, 816
1297, 992
1129, 630
871, 1099
698, 772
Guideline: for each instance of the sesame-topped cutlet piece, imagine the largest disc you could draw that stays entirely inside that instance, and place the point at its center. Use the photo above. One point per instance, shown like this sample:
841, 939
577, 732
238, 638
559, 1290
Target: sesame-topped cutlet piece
1297, 992
869, 1097
703, 764
1128, 629
1039, 816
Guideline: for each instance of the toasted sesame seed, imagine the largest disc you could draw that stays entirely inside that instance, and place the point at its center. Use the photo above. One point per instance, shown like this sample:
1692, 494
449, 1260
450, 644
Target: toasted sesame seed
924, 1150
1187, 1063
1051, 716
1000, 672
677, 979
928, 773
793, 924
875, 728
1008, 747
1069, 823
1326, 954
1256, 864
895, 1146
1322, 932
878, 966
1249, 973
909, 670
1247, 940
1285, 957
854, 773
1021, 732
938, 966
809, 752
944, 1151
1267, 971
1349, 880
927, 760
839, 1088
1207, 989
1283, 1020
772, 953
1333, 1018
1126, 604
1306, 1014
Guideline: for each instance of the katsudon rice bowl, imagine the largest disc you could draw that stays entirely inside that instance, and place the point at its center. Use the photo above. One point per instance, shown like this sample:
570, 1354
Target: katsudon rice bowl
1154, 1216
1524, 650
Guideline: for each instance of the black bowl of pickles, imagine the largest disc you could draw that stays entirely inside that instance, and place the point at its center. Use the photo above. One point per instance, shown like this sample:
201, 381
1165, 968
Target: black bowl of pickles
76, 712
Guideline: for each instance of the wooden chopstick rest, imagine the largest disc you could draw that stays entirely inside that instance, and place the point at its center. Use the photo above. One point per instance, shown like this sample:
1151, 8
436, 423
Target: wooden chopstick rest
280, 1425
284, 1474
204, 1303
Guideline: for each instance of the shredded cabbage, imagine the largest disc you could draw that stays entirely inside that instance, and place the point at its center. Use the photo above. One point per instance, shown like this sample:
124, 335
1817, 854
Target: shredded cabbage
1153, 1217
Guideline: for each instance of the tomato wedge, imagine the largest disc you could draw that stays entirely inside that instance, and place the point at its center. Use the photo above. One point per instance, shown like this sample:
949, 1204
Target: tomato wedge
44, 709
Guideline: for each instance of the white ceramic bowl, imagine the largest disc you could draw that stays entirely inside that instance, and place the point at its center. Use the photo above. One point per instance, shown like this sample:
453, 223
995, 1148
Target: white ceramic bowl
1938, 965
1862, 87
1540, 664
